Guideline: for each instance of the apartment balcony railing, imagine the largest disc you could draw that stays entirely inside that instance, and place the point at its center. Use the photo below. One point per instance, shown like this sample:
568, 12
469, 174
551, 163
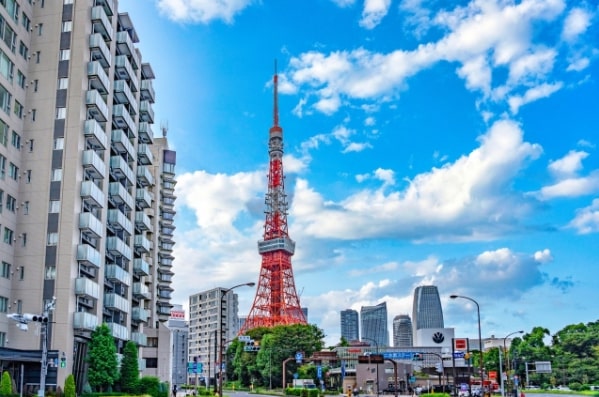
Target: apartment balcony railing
87, 287
117, 274
95, 135
96, 107
121, 144
98, 78
92, 194
119, 168
101, 23
119, 195
99, 50
117, 247
141, 267
89, 256
144, 154
90, 225
85, 321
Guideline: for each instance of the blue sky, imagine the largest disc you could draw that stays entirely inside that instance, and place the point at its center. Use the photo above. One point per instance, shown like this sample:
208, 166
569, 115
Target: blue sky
426, 142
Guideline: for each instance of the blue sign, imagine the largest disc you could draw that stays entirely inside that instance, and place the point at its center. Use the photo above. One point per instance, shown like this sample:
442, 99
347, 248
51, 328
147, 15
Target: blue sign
458, 354
299, 356
342, 369
398, 355
319, 372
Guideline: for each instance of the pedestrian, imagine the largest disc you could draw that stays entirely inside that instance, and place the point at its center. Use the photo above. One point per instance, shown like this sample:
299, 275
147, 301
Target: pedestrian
174, 390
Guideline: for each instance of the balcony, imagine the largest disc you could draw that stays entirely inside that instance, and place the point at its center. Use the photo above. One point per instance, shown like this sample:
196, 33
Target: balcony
96, 107
142, 221
115, 301
147, 91
121, 118
85, 321
92, 194
124, 46
139, 314
99, 50
98, 79
144, 176
124, 71
119, 195
120, 169
143, 198
139, 338
146, 113
118, 274
123, 94
108, 6
142, 244
121, 143
95, 135
101, 24
90, 225
146, 135
119, 221
141, 291
141, 267
118, 331
87, 287
144, 154
117, 247
88, 256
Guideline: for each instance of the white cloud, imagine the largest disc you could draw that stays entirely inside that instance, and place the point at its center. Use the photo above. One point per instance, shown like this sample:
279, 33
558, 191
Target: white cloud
578, 64
202, 11
572, 187
531, 95
568, 165
374, 11
587, 219
576, 23
543, 256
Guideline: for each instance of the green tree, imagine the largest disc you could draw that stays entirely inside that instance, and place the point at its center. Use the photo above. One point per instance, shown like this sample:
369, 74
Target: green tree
69, 386
129, 369
5, 384
102, 360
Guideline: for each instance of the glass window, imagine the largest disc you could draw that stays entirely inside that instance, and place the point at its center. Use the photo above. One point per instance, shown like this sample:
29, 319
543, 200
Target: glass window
67, 26
54, 206
59, 143
4, 130
18, 111
23, 50
3, 304
2, 166
13, 171
5, 99
57, 175
65, 55
9, 236
11, 203
25, 212
50, 271
16, 139
61, 113
21, 79
5, 270
40, 29
25, 21
52, 238
24, 244
6, 66
63, 83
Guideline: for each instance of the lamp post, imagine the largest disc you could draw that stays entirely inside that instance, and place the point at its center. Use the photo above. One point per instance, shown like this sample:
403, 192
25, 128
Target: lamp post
507, 360
220, 326
377, 366
480, 339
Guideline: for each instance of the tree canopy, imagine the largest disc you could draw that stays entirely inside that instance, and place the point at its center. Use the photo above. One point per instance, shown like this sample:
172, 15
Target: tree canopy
102, 359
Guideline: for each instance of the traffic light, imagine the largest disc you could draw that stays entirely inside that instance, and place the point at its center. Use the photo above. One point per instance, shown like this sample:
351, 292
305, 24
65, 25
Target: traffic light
63, 360
39, 318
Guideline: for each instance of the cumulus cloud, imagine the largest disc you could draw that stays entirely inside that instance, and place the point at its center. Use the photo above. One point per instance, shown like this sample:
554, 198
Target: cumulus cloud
202, 11
587, 219
374, 11
533, 94
543, 256
568, 165
577, 22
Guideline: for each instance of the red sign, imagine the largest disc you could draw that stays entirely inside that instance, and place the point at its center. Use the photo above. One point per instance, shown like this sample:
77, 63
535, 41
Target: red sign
178, 314
460, 344
493, 375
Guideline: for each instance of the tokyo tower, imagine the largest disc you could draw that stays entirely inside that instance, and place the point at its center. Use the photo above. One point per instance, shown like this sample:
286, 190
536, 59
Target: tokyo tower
276, 301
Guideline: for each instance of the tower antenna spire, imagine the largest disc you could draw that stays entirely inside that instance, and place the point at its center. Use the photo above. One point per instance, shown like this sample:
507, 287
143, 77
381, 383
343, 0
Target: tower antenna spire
276, 97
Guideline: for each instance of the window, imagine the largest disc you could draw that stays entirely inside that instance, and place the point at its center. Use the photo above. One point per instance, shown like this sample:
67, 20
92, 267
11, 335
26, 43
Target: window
25, 21
13, 171
5, 270
54, 207
5, 98
15, 139
28, 176
7, 67
8, 35
58, 143
25, 206
12, 7
21, 79
63, 83
4, 129
21, 273
23, 243
30, 144
2, 166
9, 236
65, 55
50, 271
1, 199
68, 1
37, 56
57, 175
67, 26
11, 203
18, 109
40, 29
23, 50
2, 339
33, 113
52, 238
3, 304
35, 84
61, 113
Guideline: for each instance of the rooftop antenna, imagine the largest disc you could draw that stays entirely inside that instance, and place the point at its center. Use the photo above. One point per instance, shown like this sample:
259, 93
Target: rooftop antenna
276, 99
164, 128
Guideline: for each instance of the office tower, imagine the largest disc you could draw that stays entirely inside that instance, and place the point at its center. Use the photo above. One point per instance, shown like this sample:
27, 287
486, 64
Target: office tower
402, 331
426, 311
179, 335
276, 301
374, 324
350, 325
204, 309
87, 192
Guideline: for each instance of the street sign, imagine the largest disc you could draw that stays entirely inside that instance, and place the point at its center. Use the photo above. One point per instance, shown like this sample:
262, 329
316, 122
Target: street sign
319, 372
460, 344
299, 356
458, 354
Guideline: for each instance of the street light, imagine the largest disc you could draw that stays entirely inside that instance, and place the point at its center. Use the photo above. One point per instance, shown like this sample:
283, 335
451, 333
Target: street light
507, 359
220, 325
480, 339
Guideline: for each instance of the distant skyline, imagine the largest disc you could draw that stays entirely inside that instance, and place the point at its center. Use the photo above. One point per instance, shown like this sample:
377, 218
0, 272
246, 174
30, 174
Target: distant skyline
426, 143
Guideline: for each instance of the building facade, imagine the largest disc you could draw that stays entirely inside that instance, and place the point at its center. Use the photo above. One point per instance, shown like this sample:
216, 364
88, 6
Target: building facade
350, 325
179, 339
373, 320
204, 317
86, 190
402, 331
427, 311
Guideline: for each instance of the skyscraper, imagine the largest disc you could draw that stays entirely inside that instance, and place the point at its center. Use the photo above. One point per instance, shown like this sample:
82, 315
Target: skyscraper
427, 311
374, 324
350, 325
402, 331
87, 191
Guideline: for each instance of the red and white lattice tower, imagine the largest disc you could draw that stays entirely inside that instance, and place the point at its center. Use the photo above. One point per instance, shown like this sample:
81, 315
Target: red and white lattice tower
276, 301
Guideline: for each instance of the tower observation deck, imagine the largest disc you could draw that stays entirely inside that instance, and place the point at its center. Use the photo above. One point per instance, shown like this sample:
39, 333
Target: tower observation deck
276, 301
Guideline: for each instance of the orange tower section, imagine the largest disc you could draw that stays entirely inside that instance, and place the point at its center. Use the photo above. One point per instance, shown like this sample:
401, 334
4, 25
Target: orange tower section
276, 301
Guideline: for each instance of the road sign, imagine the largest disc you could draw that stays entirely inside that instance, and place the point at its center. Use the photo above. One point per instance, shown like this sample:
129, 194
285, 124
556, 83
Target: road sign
460, 344
299, 356
458, 354
319, 372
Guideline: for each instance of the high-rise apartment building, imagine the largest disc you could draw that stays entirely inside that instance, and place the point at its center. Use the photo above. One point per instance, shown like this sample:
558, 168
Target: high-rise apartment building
204, 309
86, 190
427, 311
350, 325
374, 324
402, 331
